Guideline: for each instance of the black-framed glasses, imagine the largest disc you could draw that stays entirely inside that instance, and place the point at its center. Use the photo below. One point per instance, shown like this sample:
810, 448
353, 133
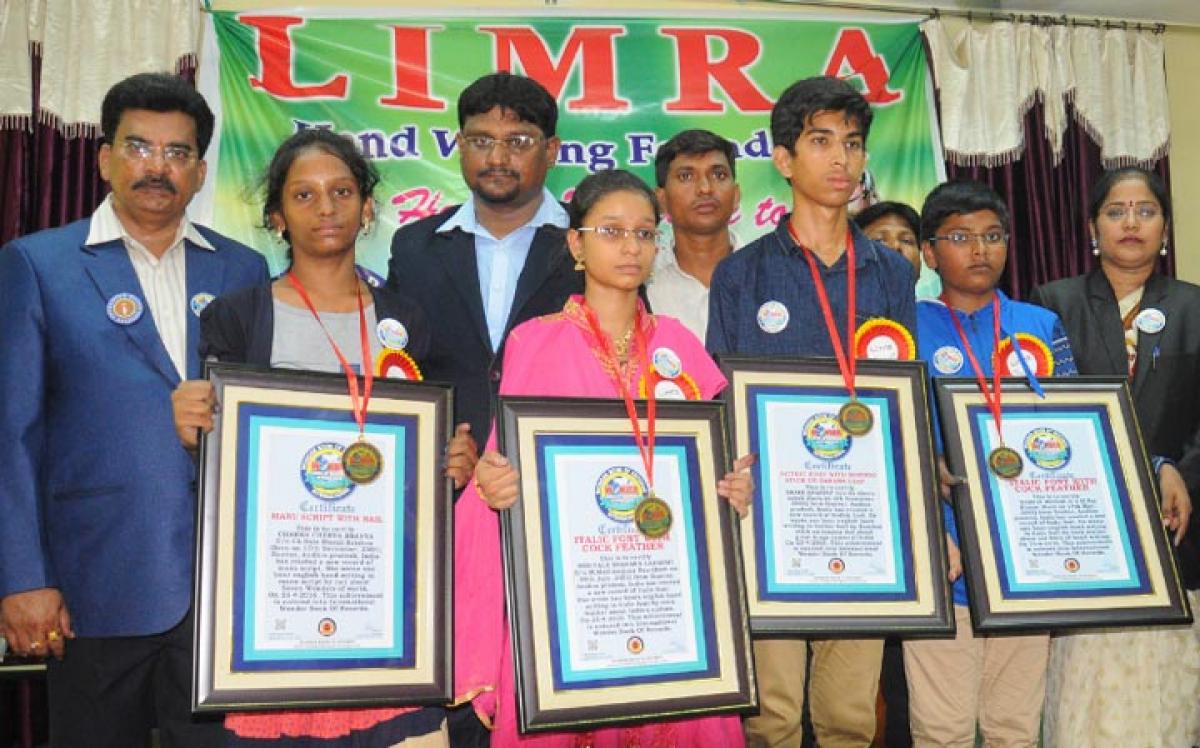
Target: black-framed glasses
614, 234
962, 239
511, 143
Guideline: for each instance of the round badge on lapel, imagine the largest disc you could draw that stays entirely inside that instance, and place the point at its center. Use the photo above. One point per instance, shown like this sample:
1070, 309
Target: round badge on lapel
667, 363
125, 309
948, 360
773, 317
1150, 321
392, 333
200, 301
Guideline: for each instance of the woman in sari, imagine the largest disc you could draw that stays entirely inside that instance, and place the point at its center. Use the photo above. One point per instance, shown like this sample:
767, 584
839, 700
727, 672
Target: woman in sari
1136, 686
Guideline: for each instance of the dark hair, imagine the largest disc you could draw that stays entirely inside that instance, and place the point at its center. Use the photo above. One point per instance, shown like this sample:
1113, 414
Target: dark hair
522, 96
156, 92
1109, 179
595, 187
691, 143
956, 198
903, 211
320, 139
806, 98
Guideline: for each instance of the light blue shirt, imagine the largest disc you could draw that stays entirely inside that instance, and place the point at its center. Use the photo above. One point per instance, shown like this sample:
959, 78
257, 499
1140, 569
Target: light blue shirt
500, 261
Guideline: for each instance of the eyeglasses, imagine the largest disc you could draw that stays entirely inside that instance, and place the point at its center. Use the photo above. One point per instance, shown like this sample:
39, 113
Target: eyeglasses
175, 155
1143, 211
512, 143
963, 239
614, 234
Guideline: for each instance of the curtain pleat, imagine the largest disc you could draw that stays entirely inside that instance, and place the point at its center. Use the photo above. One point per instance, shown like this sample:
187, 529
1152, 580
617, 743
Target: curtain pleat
1110, 81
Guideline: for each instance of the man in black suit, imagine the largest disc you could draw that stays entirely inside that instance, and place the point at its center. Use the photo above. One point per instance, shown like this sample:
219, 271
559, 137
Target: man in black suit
482, 268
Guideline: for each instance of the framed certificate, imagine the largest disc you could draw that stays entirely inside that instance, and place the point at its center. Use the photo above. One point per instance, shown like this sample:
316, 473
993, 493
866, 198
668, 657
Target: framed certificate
317, 585
618, 617
1074, 539
845, 535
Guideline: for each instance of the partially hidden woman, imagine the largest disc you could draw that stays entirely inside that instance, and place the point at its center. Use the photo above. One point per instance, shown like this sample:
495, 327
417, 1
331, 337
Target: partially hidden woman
1136, 686
596, 347
319, 199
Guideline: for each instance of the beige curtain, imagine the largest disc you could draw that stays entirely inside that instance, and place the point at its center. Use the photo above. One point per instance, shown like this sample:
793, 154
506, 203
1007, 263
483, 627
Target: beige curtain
86, 47
989, 75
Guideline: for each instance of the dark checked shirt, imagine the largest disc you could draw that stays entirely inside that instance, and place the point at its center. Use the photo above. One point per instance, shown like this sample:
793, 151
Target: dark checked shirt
772, 268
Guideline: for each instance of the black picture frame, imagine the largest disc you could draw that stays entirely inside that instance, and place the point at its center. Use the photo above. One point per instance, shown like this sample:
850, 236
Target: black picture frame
275, 528
784, 410
1076, 540
547, 439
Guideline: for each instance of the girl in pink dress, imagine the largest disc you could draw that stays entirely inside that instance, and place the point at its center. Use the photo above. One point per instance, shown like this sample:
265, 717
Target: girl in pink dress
589, 349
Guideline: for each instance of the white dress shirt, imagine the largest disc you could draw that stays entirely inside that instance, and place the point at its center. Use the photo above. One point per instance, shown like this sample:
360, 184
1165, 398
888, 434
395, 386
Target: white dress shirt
499, 262
163, 279
677, 294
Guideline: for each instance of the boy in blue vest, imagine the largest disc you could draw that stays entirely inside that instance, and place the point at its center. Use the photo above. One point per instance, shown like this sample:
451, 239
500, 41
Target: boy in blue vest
999, 682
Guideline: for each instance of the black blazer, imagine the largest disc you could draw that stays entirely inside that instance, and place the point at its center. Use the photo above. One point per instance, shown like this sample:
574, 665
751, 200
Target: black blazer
1166, 384
439, 272
240, 327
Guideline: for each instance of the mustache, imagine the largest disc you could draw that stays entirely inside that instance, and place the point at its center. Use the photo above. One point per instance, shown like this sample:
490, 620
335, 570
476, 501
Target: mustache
499, 173
161, 183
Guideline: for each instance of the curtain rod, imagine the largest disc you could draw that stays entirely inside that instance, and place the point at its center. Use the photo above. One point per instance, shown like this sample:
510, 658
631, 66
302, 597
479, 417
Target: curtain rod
1039, 19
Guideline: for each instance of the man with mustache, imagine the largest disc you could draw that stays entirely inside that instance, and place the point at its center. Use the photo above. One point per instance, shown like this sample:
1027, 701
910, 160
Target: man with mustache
482, 268
100, 325
697, 188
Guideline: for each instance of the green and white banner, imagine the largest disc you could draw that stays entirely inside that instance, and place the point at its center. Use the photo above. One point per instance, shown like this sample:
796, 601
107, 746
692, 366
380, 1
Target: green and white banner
623, 84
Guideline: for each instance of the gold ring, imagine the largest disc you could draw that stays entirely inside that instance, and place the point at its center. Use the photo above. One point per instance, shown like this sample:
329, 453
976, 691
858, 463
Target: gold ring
52, 636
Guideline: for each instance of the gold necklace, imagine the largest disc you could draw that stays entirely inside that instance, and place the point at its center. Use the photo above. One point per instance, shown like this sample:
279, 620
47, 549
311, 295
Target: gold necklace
621, 344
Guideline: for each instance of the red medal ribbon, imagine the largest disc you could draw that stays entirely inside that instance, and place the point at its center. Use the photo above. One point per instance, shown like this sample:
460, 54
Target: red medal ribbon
992, 398
360, 414
645, 446
846, 364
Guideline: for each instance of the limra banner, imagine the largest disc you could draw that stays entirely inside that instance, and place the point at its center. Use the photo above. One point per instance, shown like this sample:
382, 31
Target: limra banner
623, 85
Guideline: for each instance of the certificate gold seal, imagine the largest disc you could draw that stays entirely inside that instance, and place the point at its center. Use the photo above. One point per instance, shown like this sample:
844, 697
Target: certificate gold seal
362, 462
1005, 462
652, 517
856, 418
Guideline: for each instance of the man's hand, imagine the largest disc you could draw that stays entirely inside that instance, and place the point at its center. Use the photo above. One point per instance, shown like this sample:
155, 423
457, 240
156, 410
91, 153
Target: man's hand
738, 485
461, 455
36, 622
954, 556
193, 402
1176, 504
946, 479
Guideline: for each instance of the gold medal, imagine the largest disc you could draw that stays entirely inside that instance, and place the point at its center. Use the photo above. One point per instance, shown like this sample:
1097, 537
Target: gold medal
652, 517
362, 462
1005, 462
856, 418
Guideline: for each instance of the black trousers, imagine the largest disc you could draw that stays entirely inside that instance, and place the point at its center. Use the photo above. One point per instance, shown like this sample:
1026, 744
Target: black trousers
111, 691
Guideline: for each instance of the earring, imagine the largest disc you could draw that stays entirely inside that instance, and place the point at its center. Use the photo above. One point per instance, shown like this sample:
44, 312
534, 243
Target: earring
1095, 247
367, 225
579, 264
1163, 249
277, 232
